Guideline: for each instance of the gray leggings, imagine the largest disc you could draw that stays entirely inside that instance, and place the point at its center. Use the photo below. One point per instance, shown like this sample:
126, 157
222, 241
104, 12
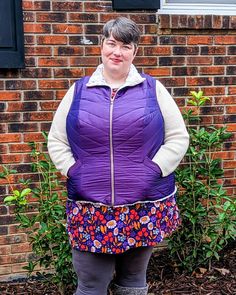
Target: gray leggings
95, 271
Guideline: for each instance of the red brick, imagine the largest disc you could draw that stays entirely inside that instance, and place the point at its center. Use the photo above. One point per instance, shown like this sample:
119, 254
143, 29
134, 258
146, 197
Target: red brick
41, 40
42, 116
13, 239
213, 50
232, 90
38, 51
224, 155
53, 62
21, 106
53, 84
150, 29
5, 269
89, 71
18, 258
38, 95
28, 16
200, 39
84, 61
164, 21
10, 137
231, 127
170, 82
93, 29
5, 250
36, 136
83, 40
51, 17
5, 259
19, 148
212, 70
18, 267
217, 21
29, 39
199, 60
225, 100
83, 17
42, 5
144, 18
184, 71
27, 5
95, 50
148, 39
157, 50
158, 72
3, 149
69, 50
36, 5
67, 29
198, 81
7, 95
171, 61
70, 73
20, 84
98, 6
226, 80
22, 248
231, 109
30, 61
230, 182
175, 40
60, 94
226, 39
49, 105
151, 61
36, 73
213, 91
37, 28
66, 6
9, 159
225, 60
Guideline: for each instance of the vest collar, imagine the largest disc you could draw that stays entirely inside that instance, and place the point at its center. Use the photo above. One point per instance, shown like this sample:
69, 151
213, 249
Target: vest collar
97, 79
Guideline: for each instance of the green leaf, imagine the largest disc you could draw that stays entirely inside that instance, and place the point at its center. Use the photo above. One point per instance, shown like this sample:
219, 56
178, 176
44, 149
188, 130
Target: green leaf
10, 199
25, 192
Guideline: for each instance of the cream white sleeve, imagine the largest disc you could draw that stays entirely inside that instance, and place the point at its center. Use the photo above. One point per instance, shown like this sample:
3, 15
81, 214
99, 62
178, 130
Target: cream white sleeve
176, 139
58, 146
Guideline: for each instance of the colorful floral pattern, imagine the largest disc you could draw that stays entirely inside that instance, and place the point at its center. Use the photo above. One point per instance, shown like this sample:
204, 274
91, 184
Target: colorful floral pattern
114, 230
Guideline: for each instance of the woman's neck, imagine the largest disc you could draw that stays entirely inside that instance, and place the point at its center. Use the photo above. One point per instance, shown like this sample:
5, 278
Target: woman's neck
114, 80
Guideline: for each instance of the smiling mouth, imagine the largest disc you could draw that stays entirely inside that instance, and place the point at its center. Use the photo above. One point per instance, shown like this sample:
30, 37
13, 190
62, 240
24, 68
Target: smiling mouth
116, 60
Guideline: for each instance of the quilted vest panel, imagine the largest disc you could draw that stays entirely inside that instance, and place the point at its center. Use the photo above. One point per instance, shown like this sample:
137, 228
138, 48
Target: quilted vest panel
113, 144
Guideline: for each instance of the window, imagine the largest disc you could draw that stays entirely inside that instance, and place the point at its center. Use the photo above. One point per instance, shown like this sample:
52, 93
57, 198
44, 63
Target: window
218, 7
11, 34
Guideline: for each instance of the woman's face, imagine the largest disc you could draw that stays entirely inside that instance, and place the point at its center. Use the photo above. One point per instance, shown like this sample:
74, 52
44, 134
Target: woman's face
117, 56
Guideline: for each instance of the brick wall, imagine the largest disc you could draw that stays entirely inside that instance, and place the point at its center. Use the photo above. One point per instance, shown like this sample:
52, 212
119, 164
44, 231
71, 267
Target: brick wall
62, 44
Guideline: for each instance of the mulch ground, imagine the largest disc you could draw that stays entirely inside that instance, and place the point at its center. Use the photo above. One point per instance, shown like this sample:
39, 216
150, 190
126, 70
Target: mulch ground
163, 279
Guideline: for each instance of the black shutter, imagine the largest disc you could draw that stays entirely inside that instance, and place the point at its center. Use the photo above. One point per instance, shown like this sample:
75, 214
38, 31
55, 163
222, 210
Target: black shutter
135, 4
11, 34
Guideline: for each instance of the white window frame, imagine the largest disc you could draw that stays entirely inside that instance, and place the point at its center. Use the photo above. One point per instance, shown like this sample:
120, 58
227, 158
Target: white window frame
196, 9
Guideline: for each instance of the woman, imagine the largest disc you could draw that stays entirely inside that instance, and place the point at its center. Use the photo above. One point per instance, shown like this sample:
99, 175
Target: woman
118, 136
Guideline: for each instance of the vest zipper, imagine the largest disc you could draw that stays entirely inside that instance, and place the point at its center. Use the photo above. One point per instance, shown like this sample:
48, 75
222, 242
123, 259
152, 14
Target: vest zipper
112, 153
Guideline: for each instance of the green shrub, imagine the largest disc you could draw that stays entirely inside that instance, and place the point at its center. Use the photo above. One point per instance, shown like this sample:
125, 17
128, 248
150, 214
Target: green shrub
208, 214
47, 226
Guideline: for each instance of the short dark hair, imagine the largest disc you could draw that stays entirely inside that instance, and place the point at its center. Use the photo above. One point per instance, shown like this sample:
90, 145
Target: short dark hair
122, 29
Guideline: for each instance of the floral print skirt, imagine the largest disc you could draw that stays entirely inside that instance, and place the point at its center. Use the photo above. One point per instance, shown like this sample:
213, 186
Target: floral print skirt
114, 230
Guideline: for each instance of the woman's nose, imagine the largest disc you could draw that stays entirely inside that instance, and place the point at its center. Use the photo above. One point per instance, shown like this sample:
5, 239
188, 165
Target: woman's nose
117, 50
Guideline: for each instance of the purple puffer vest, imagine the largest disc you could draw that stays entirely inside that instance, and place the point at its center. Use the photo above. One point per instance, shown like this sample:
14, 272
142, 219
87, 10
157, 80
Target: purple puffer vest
113, 143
